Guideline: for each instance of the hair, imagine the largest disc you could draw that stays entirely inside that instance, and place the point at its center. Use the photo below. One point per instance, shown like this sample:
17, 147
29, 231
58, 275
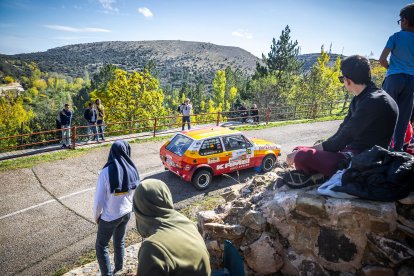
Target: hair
90, 103
97, 100
357, 69
408, 13
66, 104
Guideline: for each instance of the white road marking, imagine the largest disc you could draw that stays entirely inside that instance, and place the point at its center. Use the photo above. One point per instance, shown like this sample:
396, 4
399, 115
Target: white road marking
65, 196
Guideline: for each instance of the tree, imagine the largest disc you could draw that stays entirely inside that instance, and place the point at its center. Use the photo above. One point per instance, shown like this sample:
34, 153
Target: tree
219, 88
131, 96
282, 57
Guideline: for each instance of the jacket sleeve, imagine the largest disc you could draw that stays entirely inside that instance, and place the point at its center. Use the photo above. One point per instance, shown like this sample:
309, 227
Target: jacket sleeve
353, 125
152, 260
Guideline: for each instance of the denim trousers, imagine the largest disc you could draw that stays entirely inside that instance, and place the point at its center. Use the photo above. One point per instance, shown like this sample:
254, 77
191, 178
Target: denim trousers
107, 229
401, 88
66, 135
92, 128
101, 128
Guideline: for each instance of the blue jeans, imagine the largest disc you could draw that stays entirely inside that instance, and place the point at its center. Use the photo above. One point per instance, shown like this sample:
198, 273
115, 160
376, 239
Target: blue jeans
401, 88
66, 135
101, 128
92, 128
186, 119
107, 229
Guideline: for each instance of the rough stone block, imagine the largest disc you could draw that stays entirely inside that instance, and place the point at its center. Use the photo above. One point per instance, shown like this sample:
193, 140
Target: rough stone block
207, 217
223, 231
394, 250
265, 256
255, 220
311, 206
334, 246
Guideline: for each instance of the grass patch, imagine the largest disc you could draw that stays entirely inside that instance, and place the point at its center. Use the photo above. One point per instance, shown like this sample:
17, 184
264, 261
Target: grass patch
207, 203
292, 122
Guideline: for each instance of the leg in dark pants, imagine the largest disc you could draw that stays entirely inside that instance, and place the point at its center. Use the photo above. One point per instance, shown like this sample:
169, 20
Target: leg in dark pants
106, 229
101, 129
401, 88
186, 119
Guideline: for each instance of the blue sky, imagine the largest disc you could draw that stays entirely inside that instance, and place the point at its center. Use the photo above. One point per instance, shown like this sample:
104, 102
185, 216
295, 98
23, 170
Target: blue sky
352, 26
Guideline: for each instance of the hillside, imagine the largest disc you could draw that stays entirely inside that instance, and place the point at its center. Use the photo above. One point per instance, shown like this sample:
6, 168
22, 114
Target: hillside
176, 61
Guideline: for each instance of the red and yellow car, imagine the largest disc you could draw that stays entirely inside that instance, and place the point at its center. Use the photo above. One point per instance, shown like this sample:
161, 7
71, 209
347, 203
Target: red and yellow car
197, 155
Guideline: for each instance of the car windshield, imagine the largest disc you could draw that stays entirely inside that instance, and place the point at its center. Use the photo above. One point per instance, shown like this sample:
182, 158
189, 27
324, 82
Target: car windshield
179, 144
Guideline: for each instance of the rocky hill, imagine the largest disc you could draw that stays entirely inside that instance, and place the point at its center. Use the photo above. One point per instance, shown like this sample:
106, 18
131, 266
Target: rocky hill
175, 61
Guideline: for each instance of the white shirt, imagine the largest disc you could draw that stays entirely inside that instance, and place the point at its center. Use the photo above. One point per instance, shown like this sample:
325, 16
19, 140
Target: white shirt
186, 109
110, 206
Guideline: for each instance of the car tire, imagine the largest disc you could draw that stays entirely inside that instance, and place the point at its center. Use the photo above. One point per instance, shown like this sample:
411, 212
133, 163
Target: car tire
268, 163
202, 179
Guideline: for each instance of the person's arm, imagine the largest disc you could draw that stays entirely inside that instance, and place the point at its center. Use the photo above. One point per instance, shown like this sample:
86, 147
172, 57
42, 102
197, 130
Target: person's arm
355, 125
70, 118
152, 260
100, 195
384, 56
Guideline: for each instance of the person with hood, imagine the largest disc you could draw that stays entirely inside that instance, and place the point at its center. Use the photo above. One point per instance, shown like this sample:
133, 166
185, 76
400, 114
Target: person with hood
113, 204
172, 244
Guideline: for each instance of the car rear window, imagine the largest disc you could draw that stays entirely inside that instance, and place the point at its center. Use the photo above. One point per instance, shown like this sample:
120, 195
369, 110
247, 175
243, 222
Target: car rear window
179, 144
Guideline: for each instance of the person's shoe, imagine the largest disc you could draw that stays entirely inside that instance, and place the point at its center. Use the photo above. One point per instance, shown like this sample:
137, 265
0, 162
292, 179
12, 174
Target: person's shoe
296, 179
63, 146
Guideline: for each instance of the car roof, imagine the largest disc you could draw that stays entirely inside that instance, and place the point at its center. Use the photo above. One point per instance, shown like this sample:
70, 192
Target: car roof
198, 134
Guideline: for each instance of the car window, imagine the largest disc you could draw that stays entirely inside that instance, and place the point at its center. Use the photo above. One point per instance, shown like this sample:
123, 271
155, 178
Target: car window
179, 144
211, 146
235, 142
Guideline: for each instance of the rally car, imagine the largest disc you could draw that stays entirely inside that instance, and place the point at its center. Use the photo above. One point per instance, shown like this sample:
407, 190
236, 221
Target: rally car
197, 155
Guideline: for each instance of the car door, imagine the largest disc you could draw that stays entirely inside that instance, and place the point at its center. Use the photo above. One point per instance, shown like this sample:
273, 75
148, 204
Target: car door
241, 151
212, 150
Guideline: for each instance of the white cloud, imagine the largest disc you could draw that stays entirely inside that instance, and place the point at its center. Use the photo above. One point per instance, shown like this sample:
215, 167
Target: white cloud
146, 12
107, 5
76, 30
242, 33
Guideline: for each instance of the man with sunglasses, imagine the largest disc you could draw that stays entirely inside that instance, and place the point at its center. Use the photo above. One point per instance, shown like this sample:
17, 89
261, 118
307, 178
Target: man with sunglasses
399, 81
370, 121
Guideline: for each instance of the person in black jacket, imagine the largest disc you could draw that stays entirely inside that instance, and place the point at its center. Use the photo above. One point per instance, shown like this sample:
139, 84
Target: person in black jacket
66, 121
370, 121
91, 116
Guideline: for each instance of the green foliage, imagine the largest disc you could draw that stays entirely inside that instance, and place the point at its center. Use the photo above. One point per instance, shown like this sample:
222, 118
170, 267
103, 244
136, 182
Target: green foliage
131, 96
377, 73
219, 88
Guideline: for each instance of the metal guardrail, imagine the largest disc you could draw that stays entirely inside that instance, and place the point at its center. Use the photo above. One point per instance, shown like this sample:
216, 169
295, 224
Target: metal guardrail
162, 125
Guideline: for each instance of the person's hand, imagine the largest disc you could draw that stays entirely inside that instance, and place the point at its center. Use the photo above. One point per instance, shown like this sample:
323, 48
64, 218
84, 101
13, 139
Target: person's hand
318, 147
98, 219
290, 158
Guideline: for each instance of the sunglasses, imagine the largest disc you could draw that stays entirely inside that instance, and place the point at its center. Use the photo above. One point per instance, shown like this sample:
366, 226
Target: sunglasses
341, 79
399, 21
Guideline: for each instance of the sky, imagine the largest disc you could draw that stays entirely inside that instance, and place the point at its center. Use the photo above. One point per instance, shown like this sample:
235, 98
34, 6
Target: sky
350, 26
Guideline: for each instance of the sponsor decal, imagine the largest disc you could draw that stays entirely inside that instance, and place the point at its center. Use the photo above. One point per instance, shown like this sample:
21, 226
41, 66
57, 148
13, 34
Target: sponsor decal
268, 147
249, 151
234, 164
213, 160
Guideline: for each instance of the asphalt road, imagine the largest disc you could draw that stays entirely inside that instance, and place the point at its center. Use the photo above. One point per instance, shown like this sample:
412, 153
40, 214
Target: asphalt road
46, 211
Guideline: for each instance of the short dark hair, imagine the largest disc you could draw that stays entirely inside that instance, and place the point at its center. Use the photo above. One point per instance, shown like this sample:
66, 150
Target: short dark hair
66, 105
356, 68
408, 13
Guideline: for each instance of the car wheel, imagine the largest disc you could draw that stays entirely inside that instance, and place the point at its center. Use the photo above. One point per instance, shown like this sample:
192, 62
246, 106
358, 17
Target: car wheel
268, 163
202, 179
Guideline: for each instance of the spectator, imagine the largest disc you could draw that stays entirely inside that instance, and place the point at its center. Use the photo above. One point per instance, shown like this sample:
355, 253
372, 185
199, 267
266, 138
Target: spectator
370, 121
254, 112
185, 109
101, 116
172, 244
91, 116
244, 113
399, 81
65, 120
113, 204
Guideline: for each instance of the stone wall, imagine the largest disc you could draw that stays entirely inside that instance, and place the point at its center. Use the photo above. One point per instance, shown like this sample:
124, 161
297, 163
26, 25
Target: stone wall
298, 232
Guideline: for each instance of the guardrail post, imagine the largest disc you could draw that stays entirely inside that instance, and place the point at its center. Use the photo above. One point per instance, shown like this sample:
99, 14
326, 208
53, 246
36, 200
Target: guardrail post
218, 118
21, 133
73, 137
155, 127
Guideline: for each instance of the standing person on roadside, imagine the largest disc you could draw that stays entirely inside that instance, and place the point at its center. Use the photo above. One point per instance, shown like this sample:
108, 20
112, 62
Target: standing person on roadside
399, 81
101, 116
113, 204
91, 116
172, 244
254, 112
370, 121
186, 111
65, 120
